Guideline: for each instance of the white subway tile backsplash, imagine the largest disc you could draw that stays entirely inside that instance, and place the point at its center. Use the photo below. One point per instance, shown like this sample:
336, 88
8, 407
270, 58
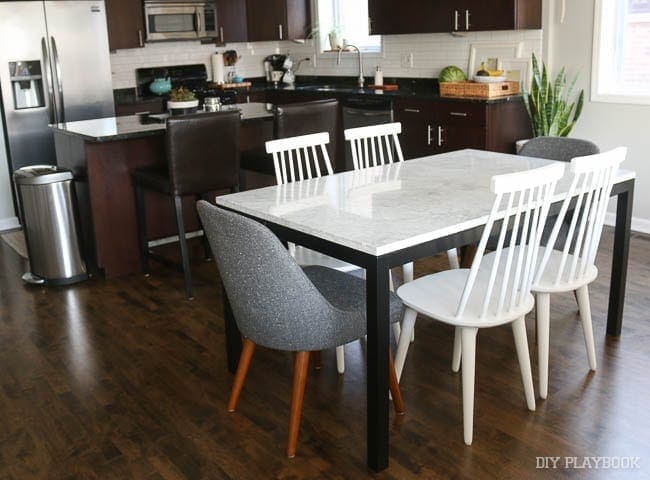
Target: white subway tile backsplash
431, 53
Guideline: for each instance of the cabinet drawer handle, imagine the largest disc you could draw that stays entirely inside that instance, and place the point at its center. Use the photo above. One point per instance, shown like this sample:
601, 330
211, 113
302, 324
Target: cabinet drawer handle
429, 134
280, 31
466, 19
140, 38
221, 33
146, 112
458, 114
412, 110
456, 15
440, 130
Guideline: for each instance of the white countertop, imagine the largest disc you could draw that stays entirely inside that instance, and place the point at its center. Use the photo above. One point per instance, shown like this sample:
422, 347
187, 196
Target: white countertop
384, 209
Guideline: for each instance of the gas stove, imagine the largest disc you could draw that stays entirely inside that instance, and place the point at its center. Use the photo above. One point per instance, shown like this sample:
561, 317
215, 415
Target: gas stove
192, 77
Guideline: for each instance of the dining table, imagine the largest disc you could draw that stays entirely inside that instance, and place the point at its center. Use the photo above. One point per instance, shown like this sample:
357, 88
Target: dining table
385, 216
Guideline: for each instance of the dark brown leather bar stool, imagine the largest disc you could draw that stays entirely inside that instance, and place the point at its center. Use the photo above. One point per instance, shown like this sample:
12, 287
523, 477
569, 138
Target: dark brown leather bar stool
202, 153
296, 119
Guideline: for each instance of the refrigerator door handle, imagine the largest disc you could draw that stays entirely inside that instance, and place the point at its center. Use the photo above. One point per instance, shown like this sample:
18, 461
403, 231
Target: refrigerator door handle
51, 108
59, 81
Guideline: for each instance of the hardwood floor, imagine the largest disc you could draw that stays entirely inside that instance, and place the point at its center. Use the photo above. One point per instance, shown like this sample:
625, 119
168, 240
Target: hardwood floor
126, 379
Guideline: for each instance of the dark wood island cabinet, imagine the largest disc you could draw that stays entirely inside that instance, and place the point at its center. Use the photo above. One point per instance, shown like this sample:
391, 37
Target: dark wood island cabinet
102, 153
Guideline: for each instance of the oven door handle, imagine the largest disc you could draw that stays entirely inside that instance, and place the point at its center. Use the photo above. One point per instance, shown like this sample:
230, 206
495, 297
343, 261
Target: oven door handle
365, 113
200, 32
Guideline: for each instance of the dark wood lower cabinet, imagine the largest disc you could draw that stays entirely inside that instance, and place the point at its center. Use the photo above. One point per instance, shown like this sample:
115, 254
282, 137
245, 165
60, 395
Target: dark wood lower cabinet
431, 127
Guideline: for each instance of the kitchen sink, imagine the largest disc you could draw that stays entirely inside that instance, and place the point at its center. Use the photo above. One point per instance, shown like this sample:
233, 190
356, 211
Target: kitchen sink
327, 88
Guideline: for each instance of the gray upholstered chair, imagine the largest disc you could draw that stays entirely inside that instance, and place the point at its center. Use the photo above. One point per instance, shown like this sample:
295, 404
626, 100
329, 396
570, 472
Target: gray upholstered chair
558, 148
279, 305
563, 149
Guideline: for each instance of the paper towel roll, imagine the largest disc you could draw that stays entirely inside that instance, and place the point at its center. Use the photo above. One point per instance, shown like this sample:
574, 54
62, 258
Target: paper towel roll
217, 68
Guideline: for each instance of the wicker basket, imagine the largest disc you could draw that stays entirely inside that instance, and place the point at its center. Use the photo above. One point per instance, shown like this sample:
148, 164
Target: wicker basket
478, 90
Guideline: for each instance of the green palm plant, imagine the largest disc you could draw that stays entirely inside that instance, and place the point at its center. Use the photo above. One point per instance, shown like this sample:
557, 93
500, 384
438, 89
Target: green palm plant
548, 105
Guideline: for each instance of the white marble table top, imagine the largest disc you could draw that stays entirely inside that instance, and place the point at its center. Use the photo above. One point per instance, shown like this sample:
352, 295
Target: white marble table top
384, 209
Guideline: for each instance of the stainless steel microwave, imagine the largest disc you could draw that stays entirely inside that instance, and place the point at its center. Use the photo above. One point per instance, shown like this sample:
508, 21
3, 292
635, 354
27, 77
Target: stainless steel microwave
180, 19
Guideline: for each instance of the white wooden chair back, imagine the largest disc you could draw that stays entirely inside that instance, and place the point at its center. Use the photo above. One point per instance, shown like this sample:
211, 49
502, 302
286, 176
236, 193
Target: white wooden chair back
297, 158
527, 197
593, 178
375, 145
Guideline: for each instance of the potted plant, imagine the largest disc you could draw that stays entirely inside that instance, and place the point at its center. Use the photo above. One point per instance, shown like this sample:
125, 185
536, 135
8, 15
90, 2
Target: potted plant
182, 101
335, 38
552, 109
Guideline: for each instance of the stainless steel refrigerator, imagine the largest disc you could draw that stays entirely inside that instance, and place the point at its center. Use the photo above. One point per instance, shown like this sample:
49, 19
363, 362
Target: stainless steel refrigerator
54, 68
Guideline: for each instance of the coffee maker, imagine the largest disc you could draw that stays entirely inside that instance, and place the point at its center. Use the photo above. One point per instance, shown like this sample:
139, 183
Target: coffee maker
273, 63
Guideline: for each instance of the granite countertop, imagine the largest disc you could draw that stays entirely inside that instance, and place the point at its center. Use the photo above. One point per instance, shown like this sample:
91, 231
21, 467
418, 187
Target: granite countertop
136, 126
339, 86
414, 88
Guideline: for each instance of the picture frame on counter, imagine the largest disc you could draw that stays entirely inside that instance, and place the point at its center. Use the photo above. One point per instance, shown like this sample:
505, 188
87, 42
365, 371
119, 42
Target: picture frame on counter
480, 52
517, 70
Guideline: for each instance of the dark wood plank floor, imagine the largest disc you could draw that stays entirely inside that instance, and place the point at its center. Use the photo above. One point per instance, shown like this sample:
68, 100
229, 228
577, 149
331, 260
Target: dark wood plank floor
126, 379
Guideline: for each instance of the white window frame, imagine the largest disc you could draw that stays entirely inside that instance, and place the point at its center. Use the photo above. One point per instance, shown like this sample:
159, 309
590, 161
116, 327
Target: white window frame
322, 50
597, 63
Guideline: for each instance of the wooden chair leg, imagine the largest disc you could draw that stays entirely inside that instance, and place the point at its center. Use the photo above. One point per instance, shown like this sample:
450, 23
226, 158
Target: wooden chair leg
521, 344
468, 347
301, 365
582, 294
182, 241
408, 324
393, 386
340, 359
542, 332
240, 376
456, 355
316, 357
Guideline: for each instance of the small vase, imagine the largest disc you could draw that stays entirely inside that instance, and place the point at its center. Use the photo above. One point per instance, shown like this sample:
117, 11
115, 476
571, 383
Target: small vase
335, 41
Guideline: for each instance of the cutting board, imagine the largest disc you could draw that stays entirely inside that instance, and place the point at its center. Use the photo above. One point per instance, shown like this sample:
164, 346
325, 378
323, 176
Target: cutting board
389, 87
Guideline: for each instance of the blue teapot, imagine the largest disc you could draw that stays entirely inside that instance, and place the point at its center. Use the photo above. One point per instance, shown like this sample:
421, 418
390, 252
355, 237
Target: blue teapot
161, 85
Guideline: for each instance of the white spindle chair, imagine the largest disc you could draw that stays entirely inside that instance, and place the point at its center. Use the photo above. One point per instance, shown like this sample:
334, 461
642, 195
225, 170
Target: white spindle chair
571, 266
295, 159
489, 293
379, 145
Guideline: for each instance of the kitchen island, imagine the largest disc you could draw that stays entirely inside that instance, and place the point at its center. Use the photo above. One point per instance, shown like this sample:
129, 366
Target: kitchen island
102, 153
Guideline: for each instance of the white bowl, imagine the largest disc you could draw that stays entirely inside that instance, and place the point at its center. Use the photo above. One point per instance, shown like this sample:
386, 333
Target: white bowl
480, 79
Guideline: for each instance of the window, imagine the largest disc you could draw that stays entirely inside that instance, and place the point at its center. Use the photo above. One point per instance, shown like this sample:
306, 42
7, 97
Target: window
348, 19
621, 61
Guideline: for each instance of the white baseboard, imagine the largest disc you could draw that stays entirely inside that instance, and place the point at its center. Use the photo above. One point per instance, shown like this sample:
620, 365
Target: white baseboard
641, 225
9, 223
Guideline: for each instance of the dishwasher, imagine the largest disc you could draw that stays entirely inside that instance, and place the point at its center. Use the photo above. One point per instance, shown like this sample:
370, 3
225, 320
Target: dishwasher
361, 112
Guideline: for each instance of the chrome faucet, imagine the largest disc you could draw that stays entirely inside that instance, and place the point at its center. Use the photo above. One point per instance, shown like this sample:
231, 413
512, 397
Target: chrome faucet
338, 62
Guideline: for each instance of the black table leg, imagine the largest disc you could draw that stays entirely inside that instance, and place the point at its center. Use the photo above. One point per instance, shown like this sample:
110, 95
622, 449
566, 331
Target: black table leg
378, 344
233, 336
619, 260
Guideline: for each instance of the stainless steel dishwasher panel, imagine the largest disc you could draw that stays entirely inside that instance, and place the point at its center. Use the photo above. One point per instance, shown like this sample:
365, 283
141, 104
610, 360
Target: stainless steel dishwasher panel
362, 112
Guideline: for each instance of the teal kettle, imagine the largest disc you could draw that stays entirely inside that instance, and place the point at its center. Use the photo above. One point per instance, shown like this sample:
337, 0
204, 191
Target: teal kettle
161, 85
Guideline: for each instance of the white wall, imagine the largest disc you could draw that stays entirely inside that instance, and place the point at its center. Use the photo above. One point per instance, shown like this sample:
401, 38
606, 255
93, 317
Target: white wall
8, 218
607, 124
431, 53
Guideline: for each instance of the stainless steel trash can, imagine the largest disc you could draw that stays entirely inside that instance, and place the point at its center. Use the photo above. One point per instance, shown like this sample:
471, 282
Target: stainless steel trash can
48, 213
